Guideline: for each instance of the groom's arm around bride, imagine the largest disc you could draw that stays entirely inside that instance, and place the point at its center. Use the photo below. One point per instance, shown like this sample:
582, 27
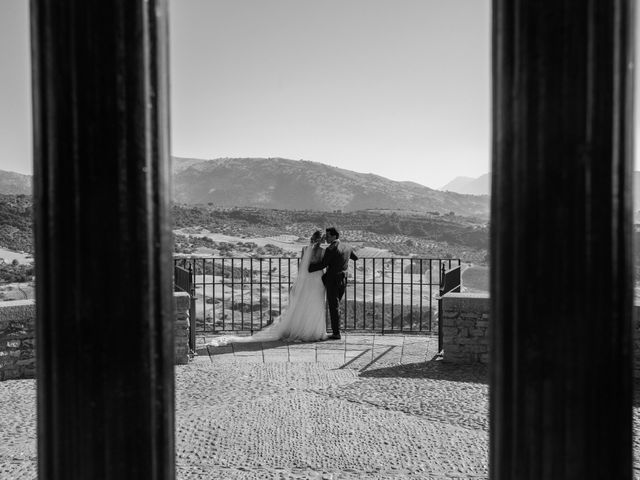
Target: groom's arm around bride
336, 261
336, 256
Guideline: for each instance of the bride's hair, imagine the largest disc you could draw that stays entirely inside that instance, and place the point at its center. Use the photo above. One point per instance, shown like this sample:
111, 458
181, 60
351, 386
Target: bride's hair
316, 234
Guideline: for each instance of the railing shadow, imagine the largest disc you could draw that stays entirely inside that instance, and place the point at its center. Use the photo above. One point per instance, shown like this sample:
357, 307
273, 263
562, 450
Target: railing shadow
259, 345
434, 370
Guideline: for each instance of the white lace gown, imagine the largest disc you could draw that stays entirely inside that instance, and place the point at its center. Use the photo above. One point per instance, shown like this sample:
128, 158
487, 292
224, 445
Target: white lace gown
304, 318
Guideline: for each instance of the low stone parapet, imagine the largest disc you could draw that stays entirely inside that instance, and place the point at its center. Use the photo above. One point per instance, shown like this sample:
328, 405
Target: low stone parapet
465, 324
182, 301
465, 327
636, 341
18, 336
17, 339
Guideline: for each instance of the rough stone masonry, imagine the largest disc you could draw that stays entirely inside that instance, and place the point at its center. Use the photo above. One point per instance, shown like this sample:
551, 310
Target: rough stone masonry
17, 339
18, 336
465, 327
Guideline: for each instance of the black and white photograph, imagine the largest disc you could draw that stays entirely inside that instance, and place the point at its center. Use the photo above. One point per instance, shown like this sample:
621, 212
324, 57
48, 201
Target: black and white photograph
323, 240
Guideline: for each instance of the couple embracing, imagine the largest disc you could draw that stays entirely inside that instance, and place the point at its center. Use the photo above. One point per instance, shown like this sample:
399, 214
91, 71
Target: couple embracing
322, 272
336, 262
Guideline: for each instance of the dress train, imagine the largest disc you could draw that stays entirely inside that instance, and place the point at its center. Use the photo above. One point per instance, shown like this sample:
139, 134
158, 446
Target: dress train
304, 318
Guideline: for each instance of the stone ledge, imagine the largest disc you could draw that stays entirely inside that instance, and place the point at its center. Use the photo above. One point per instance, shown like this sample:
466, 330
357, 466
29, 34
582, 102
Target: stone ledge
484, 296
17, 303
465, 304
17, 310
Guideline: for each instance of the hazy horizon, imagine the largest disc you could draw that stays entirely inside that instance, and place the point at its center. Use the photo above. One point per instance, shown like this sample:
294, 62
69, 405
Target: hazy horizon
295, 160
400, 90
397, 89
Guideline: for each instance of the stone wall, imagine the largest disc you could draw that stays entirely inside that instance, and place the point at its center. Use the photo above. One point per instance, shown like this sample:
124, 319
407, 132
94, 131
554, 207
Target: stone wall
465, 329
465, 325
181, 328
18, 336
17, 339
636, 341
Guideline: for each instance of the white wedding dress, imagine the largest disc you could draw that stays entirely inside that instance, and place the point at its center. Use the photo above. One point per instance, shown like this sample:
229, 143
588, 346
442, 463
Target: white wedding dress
304, 318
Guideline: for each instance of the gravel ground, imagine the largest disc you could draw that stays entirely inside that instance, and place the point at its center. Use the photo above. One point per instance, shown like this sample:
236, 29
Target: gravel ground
240, 418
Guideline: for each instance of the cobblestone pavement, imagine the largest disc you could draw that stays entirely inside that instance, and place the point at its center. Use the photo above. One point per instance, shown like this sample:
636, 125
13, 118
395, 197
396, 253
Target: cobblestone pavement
277, 412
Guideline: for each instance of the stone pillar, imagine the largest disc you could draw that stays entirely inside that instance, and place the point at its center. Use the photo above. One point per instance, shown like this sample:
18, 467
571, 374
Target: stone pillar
103, 247
181, 328
561, 278
465, 323
17, 339
636, 341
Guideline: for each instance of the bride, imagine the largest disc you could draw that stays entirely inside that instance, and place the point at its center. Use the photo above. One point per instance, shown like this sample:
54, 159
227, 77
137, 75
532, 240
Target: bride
304, 319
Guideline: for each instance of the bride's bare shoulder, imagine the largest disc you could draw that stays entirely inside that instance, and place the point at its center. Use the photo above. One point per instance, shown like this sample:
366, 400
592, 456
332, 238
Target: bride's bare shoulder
318, 252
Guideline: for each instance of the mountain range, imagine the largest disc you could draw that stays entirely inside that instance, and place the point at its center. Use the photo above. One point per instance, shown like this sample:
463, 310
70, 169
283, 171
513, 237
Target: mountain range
470, 185
12, 183
299, 185
482, 186
303, 185
292, 185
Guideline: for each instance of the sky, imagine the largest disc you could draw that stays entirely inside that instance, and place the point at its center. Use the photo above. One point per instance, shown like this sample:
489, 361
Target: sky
399, 88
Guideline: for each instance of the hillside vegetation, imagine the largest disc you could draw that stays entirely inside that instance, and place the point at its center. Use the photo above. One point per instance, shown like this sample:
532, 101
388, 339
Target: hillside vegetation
12, 183
402, 233
16, 223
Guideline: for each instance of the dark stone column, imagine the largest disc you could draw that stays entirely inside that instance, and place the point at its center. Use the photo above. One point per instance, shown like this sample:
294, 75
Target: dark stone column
103, 250
561, 285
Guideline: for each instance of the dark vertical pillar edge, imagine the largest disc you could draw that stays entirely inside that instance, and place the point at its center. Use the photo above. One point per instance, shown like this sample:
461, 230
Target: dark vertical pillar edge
103, 252
561, 278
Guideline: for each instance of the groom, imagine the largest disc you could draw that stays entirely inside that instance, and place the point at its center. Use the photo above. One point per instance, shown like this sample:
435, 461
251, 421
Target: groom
336, 261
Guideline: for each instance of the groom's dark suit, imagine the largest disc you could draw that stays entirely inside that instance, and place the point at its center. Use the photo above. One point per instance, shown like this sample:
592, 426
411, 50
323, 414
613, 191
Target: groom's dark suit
336, 261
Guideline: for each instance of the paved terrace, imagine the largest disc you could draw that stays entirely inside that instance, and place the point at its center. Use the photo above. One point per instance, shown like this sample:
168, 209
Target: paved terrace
366, 406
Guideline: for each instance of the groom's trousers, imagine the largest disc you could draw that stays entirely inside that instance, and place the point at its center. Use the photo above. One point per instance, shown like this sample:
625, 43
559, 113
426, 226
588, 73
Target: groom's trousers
335, 286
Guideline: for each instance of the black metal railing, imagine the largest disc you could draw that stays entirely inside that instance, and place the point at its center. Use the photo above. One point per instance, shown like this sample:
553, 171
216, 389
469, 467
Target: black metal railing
182, 279
384, 294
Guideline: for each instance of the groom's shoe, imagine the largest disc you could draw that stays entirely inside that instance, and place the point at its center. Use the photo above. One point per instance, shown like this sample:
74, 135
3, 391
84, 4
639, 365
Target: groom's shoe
335, 336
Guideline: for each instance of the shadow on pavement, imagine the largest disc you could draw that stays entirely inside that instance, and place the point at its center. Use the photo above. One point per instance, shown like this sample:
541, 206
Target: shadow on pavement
636, 392
435, 370
258, 346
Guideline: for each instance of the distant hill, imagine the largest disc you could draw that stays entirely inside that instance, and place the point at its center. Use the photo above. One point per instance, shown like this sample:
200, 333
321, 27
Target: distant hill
299, 185
303, 185
292, 185
482, 186
469, 185
457, 184
12, 183
636, 192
